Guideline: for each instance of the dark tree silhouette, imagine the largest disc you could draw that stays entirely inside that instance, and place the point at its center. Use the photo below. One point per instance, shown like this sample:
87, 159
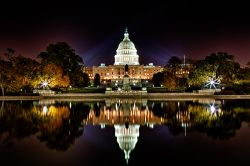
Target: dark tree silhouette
64, 56
173, 64
158, 79
97, 80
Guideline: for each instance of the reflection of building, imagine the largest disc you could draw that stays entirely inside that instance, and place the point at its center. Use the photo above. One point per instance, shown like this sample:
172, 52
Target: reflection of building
127, 138
126, 53
124, 111
126, 115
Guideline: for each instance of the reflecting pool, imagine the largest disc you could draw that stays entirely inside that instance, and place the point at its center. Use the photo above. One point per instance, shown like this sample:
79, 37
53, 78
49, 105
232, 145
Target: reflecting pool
125, 132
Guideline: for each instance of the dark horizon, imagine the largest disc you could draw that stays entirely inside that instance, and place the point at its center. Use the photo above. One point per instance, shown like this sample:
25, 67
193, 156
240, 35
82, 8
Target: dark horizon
159, 30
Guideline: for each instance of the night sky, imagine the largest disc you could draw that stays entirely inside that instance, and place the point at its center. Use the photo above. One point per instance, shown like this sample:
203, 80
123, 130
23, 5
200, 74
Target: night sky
159, 29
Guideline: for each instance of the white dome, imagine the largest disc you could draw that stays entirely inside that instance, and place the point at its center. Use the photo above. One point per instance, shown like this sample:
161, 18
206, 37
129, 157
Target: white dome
126, 44
126, 52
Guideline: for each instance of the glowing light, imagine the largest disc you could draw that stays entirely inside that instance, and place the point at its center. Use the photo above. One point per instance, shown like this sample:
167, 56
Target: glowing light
102, 126
45, 110
211, 83
44, 84
213, 109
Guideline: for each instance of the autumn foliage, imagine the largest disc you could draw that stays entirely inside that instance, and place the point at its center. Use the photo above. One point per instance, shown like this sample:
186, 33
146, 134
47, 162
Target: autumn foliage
53, 75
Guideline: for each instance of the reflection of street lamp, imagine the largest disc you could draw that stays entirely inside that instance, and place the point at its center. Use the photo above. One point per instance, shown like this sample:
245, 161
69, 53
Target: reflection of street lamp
214, 110
45, 110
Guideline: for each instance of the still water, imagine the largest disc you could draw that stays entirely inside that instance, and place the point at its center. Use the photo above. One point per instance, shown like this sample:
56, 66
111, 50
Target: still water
125, 132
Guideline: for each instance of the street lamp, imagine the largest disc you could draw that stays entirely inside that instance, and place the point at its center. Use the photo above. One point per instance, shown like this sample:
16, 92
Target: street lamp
44, 84
211, 83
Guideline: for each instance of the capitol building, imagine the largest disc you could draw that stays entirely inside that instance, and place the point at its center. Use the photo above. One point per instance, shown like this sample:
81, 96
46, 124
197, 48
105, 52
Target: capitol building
126, 54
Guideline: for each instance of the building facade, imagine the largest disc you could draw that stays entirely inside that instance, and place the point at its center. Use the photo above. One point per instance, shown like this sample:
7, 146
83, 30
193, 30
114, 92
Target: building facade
126, 54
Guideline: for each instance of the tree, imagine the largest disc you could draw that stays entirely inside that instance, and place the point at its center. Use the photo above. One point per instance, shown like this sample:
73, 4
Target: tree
17, 72
245, 73
51, 76
182, 82
9, 53
224, 66
25, 70
169, 80
174, 64
62, 55
200, 74
6, 76
158, 79
248, 65
86, 79
81, 79
6, 71
219, 65
97, 80
3, 76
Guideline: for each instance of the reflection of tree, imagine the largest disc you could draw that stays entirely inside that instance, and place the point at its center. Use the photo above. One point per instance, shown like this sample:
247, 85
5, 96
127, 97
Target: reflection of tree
97, 109
163, 109
57, 125
169, 111
2, 109
52, 117
79, 112
16, 122
222, 125
68, 126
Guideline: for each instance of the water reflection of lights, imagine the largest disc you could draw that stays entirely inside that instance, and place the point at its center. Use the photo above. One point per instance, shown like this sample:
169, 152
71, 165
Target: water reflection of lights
184, 118
214, 109
45, 110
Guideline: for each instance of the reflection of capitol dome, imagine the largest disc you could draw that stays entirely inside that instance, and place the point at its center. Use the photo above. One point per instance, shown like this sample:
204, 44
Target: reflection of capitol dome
126, 52
127, 138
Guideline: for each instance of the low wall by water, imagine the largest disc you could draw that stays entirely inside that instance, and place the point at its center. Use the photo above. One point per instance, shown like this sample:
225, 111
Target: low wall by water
209, 91
161, 96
